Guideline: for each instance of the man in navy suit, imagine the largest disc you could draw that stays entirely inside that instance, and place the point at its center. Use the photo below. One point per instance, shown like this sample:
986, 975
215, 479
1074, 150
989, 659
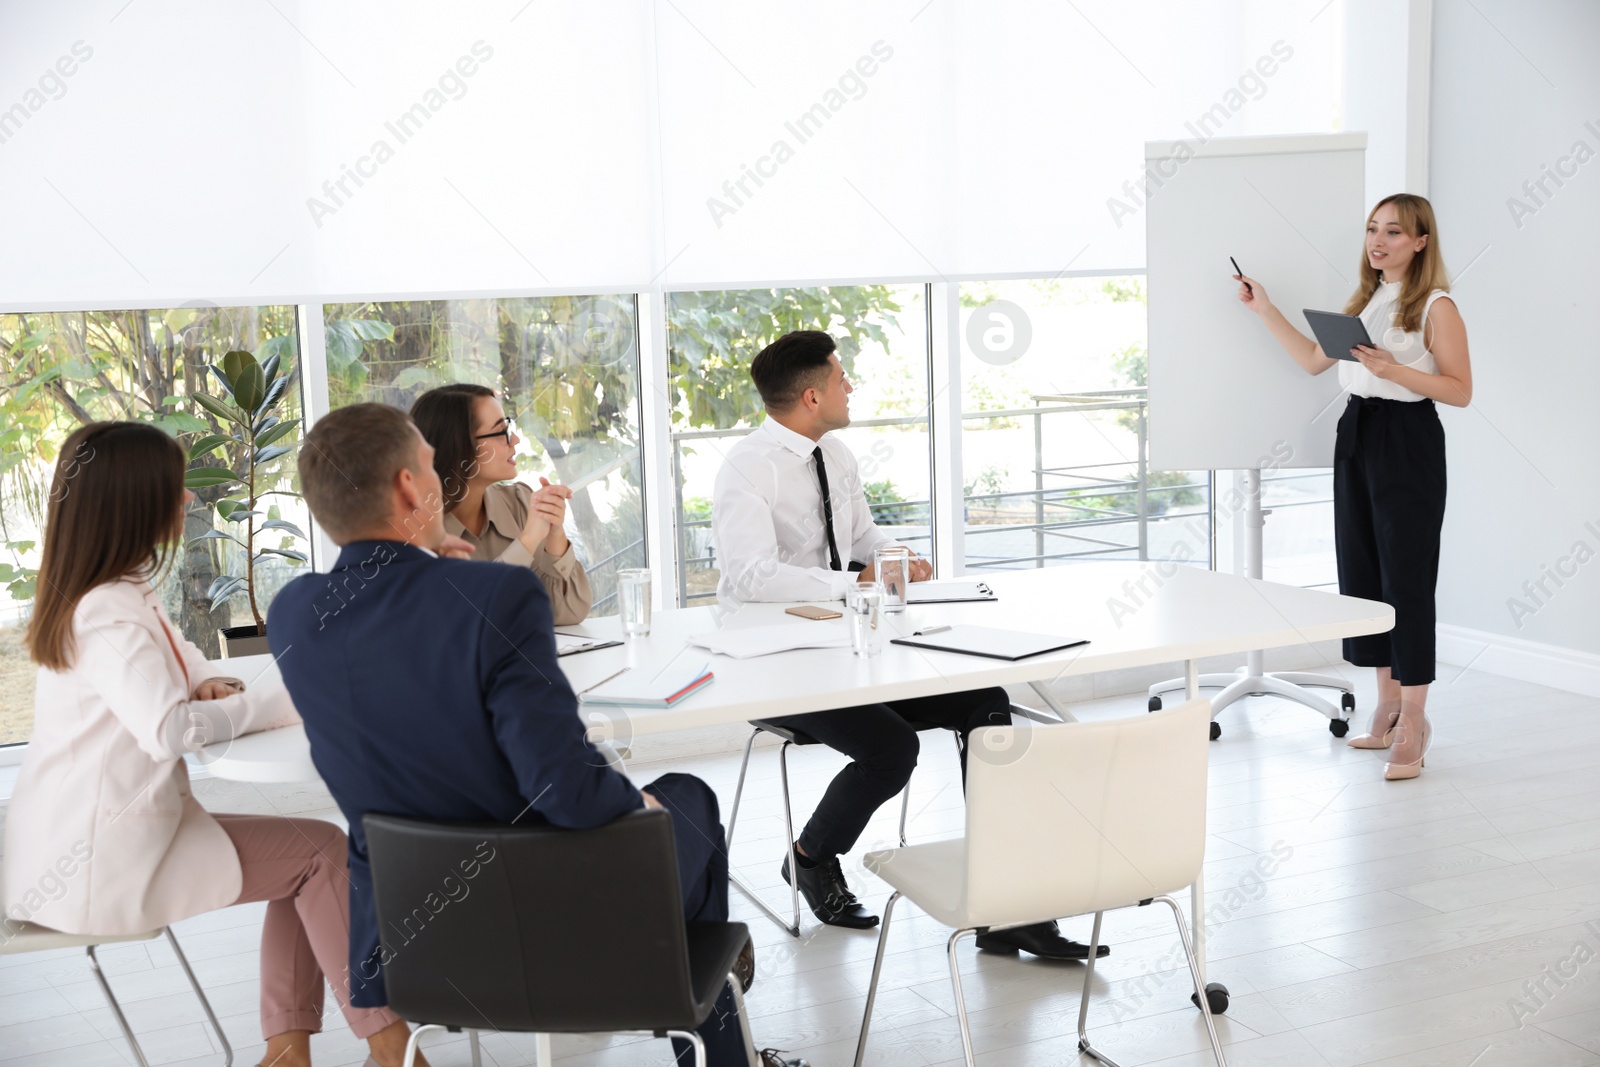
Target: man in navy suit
429, 687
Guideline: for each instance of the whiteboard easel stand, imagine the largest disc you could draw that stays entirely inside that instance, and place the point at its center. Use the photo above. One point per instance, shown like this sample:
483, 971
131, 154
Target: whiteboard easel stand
1252, 679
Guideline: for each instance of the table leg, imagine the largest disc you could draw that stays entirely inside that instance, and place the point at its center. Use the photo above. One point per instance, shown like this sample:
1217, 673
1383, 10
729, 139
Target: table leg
1050, 701
541, 1050
1216, 993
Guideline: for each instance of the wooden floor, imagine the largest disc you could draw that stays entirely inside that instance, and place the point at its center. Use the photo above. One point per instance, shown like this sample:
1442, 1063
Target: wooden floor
1451, 920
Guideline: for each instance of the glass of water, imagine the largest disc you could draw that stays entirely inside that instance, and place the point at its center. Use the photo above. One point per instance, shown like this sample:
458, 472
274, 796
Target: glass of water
633, 599
892, 565
864, 607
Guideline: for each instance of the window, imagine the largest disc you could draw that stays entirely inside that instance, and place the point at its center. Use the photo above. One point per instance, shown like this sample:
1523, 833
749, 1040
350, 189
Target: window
1297, 540
61, 370
712, 336
1055, 426
567, 369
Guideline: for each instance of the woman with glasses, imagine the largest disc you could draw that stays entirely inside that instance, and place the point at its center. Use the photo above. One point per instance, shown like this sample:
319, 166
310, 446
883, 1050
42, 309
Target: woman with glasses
474, 453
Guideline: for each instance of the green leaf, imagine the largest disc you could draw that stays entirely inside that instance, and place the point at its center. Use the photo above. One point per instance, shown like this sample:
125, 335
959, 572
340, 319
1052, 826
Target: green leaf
227, 386
276, 432
233, 364
273, 393
219, 409
273, 350
371, 329
206, 477
267, 455
209, 443
286, 553
177, 422
224, 587
218, 535
283, 524
249, 385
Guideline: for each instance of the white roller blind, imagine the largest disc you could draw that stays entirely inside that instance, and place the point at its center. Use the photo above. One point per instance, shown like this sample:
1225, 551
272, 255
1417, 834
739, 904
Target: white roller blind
212, 152
531, 172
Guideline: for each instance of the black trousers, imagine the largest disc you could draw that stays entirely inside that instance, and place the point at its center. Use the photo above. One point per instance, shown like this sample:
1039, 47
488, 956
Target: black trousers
882, 745
703, 880
1388, 509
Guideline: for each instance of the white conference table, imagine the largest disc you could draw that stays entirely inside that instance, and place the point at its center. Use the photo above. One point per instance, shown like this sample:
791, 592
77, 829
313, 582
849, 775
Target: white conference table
1134, 615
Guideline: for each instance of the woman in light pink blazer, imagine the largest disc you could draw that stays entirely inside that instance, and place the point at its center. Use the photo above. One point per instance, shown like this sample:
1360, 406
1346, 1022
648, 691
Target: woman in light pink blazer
103, 834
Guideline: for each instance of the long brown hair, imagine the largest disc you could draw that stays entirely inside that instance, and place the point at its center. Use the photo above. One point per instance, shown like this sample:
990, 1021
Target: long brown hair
444, 415
1426, 272
115, 510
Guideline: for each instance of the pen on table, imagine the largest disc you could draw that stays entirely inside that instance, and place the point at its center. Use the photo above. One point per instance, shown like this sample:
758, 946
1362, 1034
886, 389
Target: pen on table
603, 681
926, 630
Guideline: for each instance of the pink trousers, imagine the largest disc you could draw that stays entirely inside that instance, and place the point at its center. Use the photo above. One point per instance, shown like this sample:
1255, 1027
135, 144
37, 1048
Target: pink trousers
298, 867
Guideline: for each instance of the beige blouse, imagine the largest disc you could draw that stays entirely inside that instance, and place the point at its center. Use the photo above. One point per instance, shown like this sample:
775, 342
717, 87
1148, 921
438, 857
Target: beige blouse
506, 505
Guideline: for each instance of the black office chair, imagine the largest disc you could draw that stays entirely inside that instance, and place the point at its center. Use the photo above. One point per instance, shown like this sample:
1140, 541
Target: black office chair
544, 930
799, 739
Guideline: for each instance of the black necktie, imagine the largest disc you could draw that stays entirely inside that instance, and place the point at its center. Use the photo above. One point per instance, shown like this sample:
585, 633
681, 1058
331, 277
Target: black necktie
827, 509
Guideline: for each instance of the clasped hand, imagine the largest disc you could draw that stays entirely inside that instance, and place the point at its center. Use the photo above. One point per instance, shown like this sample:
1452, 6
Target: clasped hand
547, 517
921, 571
217, 688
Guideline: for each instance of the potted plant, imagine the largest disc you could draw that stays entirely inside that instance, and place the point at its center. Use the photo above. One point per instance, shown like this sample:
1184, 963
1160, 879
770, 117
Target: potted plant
254, 392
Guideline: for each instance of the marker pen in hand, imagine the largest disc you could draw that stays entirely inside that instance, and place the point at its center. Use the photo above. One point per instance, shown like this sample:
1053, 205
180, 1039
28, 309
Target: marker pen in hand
1247, 286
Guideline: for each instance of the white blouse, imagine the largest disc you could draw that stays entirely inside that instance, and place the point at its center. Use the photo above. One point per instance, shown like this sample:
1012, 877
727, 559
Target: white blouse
1381, 318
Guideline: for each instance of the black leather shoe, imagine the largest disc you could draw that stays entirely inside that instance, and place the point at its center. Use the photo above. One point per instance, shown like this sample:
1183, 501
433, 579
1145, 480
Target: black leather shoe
771, 1057
1042, 939
744, 968
830, 899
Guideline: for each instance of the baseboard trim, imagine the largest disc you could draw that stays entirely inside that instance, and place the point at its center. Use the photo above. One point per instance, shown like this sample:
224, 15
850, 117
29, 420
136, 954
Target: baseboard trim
1526, 661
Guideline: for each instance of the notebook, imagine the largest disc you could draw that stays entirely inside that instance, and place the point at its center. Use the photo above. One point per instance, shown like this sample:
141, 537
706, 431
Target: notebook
947, 592
991, 643
650, 689
751, 641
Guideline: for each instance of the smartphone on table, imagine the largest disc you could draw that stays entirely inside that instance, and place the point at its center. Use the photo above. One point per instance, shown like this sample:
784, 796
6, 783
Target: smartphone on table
811, 611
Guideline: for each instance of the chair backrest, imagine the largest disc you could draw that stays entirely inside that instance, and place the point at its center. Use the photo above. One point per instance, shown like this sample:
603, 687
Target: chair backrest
532, 928
1081, 817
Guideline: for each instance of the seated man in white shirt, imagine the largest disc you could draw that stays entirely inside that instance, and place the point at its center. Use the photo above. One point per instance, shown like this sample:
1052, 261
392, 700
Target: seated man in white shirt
791, 523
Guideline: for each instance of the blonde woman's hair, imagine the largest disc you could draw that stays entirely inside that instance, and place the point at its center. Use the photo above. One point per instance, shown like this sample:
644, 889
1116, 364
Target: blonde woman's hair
1426, 272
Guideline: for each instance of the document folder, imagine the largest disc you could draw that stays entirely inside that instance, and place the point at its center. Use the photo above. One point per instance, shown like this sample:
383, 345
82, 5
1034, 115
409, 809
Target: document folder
991, 643
947, 592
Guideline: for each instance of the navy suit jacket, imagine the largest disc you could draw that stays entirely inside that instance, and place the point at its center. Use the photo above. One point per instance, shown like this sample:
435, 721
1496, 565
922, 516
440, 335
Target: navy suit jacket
429, 688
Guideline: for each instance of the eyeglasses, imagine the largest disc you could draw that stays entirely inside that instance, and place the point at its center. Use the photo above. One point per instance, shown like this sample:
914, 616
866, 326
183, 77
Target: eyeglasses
505, 432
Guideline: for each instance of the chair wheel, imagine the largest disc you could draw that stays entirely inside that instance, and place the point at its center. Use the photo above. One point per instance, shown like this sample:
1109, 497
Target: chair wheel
1216, 997
1155, 703
1338, 727
1347, 701
1216, 730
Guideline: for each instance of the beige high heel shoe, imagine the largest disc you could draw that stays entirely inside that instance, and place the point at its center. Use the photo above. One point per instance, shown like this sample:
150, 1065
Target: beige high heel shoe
1375, 741
1394, 772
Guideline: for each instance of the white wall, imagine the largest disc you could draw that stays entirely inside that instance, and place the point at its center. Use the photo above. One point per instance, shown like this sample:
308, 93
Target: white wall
1515, 88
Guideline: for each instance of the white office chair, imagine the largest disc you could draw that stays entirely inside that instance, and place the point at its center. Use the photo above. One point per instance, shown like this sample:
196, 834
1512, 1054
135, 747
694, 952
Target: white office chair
18, 937
1117, 818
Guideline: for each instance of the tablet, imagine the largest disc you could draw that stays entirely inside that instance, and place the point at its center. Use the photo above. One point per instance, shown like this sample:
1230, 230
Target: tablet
1338, 334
